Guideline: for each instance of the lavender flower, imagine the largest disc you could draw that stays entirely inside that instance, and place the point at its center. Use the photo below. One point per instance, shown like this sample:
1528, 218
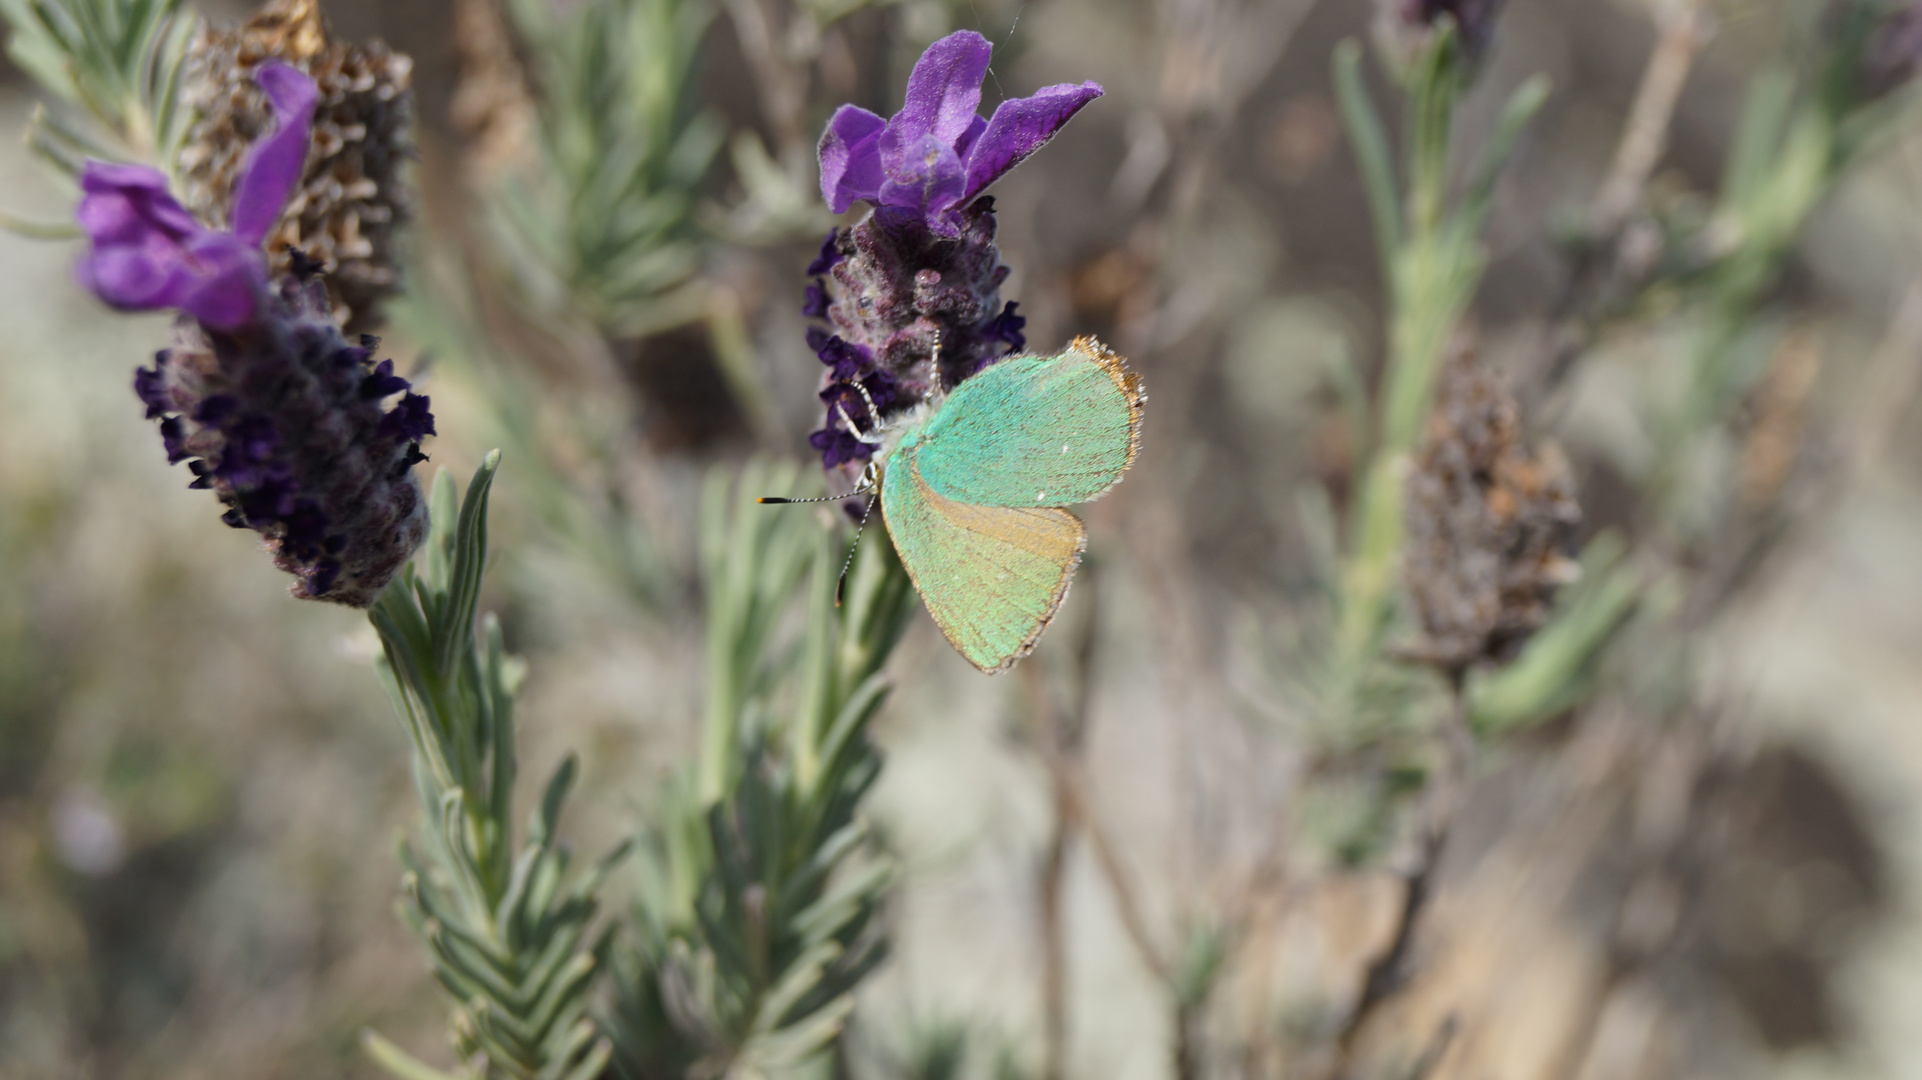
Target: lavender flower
922, 267
271, 408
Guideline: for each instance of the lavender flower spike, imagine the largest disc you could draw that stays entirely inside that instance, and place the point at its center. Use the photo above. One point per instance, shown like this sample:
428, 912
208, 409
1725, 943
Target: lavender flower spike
148, 253
287, 422
911, 295
936, 154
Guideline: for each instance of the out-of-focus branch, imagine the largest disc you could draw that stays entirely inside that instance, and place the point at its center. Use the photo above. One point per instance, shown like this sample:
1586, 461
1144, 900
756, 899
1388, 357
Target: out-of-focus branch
1778, 523
1682, 29
1389, 970
1061, 738
781, 78
1888, 387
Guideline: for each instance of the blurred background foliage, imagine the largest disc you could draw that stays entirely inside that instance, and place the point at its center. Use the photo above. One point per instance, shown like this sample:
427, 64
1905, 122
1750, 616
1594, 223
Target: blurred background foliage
1255, 807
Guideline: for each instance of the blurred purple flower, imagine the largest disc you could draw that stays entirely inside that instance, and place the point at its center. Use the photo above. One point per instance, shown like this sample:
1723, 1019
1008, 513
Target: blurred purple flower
148, 253
1893, 53
1406, 27
937, 154
1474, 19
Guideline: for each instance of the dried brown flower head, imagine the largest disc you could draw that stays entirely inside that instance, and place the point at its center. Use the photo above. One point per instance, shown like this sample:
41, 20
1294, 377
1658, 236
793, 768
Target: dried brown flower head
1490, 522
352, 199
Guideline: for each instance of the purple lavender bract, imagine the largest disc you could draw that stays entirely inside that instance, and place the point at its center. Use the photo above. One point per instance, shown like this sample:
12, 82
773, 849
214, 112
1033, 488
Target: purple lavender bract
149, 254
937, 154
284, 421
922, 267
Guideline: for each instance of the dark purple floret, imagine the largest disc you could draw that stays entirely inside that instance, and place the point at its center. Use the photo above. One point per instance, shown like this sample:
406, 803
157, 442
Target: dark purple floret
173, 439
1474, 19
409, 421
839, 448
845, 362
1406, 28
382, 383
830, 254
814, 302
151, 389
1007, 327
864, 401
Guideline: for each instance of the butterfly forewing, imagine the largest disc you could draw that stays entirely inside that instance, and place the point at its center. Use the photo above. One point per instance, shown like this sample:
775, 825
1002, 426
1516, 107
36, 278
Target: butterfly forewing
992, 576
1036, 430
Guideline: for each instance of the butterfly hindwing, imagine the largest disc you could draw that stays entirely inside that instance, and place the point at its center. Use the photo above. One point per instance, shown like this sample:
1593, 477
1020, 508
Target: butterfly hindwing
1036, 430
992, 576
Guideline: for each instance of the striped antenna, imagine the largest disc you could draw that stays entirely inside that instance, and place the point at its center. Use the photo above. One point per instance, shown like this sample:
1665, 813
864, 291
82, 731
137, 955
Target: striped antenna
867, 487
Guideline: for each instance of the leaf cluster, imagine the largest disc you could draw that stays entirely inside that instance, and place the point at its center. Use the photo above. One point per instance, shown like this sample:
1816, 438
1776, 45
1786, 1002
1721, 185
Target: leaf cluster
603, 222
115, 65
764, 883
509, 928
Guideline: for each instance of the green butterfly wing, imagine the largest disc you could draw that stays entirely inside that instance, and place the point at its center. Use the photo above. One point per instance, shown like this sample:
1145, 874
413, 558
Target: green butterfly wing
992, 576
1036, 430
972, 496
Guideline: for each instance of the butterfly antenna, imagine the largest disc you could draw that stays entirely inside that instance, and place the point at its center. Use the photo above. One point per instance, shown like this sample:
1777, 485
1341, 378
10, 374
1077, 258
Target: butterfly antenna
776, 500
841, 583
868, 480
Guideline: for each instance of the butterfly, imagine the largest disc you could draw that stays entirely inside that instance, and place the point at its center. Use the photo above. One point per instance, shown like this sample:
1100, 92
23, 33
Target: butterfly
973, 487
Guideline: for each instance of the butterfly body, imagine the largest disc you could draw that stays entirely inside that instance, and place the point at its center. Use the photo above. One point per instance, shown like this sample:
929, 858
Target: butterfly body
973, 490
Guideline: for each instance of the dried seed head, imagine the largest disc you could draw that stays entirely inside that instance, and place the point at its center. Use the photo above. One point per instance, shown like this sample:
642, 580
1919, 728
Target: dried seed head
285, 420
1490, 523
353, 197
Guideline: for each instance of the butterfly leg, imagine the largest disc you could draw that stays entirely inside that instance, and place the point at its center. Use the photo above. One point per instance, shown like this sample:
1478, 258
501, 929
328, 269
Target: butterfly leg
872, 436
